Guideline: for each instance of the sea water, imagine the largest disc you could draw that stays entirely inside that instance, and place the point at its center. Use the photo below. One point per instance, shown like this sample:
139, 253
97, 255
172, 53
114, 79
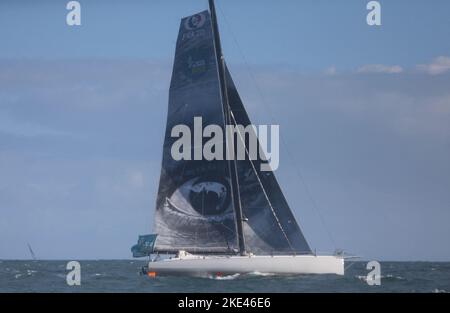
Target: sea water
125, 276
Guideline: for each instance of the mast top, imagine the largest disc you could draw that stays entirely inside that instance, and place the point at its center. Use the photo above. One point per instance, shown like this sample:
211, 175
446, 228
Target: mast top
212, 9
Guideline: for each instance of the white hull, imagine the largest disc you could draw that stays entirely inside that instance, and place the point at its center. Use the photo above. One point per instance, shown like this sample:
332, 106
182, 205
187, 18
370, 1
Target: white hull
225, 265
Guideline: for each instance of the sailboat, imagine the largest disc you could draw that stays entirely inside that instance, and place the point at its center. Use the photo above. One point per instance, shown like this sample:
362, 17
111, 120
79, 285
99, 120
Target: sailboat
219, 216
33, 256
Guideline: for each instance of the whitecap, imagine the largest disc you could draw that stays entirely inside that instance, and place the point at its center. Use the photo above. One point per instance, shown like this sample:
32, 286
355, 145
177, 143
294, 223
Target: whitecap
361, 277
31, 272
226, 277
392, 276
388, 276
256, 273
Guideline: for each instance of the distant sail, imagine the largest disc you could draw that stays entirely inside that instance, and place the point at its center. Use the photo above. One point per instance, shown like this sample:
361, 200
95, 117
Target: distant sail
271, 227
194, 211
33, 256
144, 246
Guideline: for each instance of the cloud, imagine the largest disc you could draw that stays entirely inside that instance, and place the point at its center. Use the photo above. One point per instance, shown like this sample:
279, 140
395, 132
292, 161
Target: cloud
380, 68
331, 71
439, 65
10, 125
409, 104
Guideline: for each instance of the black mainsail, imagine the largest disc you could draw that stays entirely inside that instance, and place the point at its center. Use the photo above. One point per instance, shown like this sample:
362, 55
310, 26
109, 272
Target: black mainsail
194, 210
218, 206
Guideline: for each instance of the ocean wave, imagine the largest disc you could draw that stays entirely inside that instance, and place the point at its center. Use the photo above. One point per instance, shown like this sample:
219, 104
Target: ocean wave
256, 273
28, 273
385, 277
393, 277
31, 272
436, 290
361, 277
226, 277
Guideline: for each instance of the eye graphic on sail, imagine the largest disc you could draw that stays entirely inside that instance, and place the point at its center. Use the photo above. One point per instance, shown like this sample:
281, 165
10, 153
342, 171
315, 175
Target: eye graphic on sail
201, 200
208, 197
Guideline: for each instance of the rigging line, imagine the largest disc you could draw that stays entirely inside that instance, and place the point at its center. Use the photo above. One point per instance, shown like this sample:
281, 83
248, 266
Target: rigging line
262, 186
283, 142
225, 226
203, 213
350, 265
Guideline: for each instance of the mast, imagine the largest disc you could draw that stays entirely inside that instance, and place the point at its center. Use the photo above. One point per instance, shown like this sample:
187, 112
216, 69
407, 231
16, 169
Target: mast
227, 115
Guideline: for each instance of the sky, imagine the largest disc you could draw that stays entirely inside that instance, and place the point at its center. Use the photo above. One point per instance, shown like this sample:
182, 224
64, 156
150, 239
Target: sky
364, 115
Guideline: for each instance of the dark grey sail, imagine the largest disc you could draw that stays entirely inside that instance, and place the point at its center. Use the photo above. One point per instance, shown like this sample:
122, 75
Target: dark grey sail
194, 211
270, 226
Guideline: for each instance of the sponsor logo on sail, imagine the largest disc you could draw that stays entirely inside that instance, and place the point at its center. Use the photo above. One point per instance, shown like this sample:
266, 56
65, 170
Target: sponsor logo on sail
194, 22
196, 67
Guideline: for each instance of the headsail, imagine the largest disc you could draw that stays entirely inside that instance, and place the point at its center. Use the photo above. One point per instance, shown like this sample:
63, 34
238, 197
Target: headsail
270, 225
194, 211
